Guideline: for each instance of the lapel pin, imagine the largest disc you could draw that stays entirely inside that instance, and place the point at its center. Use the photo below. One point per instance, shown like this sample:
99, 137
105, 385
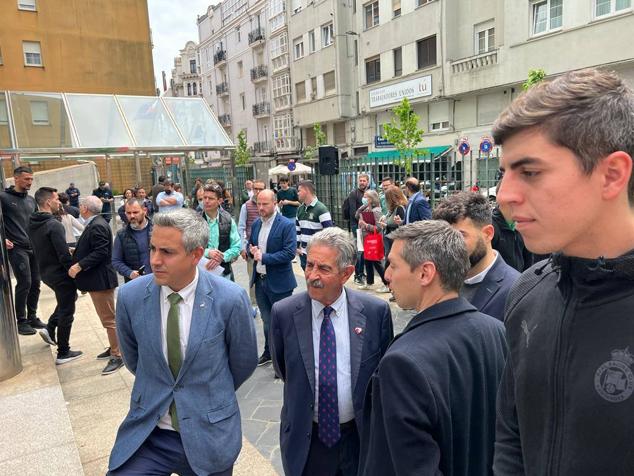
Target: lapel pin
358, 330
202, 305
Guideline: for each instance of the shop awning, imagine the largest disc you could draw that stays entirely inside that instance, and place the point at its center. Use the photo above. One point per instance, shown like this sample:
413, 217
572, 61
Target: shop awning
390, 155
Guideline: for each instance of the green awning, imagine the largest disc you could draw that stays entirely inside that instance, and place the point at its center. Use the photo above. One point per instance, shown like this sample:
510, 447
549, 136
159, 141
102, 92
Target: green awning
389, 155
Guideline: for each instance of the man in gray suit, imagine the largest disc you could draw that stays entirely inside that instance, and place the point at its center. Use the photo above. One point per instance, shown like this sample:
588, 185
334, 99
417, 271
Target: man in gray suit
325, 345
190, 340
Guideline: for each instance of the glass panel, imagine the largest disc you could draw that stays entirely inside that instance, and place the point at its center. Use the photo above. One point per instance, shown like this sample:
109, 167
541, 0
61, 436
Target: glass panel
540, 17
556, 13
602, 7
623, 4
150, 124
97, 121
32, 131
196, 123
5, 134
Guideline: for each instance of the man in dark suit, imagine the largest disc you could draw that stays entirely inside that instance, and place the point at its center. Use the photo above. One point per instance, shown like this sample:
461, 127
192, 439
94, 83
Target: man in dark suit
417, 205
189, 338
325, 345
489, 279
430, 406
93, 272
272, 246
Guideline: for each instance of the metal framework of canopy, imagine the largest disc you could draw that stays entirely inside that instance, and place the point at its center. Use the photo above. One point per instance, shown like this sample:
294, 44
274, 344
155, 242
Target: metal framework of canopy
38, 123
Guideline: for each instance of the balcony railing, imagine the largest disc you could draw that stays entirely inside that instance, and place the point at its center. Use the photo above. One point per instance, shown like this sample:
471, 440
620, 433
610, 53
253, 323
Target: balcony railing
262, 147
286, 144
222, 89
262, 109
259, 73
220, 56
256, 36
475, 62
225, 120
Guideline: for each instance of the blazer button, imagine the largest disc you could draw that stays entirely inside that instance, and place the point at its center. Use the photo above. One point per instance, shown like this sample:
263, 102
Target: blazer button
307, 435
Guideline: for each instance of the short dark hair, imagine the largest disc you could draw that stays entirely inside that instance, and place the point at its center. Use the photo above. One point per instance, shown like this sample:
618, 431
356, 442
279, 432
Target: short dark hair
102, 183
213, 188
167, 182
283, 180
384, 179
63, 197
308, 185
43, 194
463, 205
161, 178
22, 169
412, 184
135, 201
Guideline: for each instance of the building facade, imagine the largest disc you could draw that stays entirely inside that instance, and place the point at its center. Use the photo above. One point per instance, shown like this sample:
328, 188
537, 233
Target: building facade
185, 80
67, 45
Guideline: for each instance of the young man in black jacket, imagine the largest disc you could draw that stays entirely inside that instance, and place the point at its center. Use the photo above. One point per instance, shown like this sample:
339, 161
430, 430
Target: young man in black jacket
54, 260
17, 207
565, 405
350, 206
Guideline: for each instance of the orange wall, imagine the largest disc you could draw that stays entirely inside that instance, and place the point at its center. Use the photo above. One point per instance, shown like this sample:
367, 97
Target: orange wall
90, 46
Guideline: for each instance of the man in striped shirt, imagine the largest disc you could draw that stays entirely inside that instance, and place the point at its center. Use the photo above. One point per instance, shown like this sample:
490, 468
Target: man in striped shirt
312, 217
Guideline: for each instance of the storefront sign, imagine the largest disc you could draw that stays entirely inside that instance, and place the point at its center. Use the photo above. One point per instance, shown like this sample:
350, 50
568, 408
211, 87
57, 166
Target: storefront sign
382, 142
393, 93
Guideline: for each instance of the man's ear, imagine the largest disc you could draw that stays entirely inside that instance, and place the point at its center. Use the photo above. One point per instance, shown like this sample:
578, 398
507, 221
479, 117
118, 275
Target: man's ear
425, 273
488, 231
197, 254
615, 170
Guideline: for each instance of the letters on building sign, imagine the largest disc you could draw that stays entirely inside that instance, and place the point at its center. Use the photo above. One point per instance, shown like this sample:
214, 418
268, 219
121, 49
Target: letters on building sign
414, 88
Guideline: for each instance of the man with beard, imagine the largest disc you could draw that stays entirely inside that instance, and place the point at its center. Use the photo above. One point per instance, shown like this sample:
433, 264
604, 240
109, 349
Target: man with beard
105, 195
490, 279
131, 251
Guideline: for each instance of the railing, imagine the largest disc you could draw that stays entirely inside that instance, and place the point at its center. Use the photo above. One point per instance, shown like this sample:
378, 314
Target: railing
225, 120
259, 72
475, 62
286, 144
280, 63
262, 109
222, 89
261, 147
256, 35
220, 56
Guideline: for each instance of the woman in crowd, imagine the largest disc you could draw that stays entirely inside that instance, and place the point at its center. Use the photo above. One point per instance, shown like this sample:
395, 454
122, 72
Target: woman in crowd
72, 226
127, 195
371, 203
396, 203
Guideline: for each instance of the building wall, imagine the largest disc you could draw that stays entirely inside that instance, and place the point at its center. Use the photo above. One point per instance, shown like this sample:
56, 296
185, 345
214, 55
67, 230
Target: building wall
183, 76
99, 46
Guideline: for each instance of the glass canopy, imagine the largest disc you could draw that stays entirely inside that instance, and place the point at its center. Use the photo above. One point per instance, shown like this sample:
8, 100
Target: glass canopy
79, 123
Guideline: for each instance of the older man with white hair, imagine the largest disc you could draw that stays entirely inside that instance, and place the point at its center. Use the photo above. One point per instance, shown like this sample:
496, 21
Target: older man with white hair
93, 272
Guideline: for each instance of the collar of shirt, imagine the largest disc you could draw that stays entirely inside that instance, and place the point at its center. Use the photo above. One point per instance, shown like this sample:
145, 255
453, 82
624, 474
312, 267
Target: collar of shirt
89, 219
337, 306
270, 219
478, 278
212, 220
313, 203
187, 293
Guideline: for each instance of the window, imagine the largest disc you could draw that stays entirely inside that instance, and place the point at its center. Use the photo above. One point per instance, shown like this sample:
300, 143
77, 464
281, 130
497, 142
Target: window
300, 91
240, 69
340, 132
282, 91
547, 15
195, 89
327, 34
420, 3
238, 34
283, 126
373, 70
298, 47
329, 81
279, 45
439, 126
485, 41
607, 7
32, 53
311, 41
39, 113
398, 61
371, 15
426, 52
396, 8
192, 66
189, 89
313, 88
27, 5
243, 101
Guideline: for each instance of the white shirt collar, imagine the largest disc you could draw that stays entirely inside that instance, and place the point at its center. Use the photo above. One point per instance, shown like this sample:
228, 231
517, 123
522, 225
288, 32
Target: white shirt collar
478, 278
187, 293
338, 305
269, 219
313, 203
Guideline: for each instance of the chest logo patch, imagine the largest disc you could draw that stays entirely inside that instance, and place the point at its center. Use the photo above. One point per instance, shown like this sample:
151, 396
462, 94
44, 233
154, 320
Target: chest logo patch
614, 380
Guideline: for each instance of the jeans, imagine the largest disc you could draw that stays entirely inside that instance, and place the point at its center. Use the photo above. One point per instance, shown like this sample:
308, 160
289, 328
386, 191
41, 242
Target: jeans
358, 267
27, 287
266, 298
64, 314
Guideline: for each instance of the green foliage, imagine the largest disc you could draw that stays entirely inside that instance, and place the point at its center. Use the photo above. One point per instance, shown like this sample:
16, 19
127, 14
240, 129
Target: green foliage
320, 139
534, 76
404, 133
241, 154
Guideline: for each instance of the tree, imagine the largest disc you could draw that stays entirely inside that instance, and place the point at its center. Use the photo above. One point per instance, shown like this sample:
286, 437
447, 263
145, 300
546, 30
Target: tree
534, 76
241, 153
403, 132
320, 139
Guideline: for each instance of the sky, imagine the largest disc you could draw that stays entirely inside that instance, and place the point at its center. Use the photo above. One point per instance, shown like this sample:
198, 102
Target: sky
173, 23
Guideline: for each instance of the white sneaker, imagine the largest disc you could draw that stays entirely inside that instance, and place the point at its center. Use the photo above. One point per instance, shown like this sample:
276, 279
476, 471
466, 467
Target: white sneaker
363, 286
383, 289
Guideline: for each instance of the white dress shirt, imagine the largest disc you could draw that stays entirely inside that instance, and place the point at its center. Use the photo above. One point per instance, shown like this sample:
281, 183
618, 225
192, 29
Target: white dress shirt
263, 237
478, 278
339, 319
185, 307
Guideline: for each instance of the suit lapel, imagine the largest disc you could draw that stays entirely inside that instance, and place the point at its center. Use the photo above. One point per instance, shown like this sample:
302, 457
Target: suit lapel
356, 323
273, 230
152, 313
304, 327
200, 320
488, 287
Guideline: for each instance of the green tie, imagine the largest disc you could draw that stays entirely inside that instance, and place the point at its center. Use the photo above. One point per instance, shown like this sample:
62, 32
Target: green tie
172, 336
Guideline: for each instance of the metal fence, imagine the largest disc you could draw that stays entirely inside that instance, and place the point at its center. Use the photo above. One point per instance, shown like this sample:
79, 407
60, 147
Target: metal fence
439, 176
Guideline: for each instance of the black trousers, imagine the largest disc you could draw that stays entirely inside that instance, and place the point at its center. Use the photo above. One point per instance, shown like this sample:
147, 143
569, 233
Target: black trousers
27, 287
370, 266
63, 316
340, 460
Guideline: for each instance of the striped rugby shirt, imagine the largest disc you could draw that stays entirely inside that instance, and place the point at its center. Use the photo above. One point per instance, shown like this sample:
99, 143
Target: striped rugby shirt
310, 220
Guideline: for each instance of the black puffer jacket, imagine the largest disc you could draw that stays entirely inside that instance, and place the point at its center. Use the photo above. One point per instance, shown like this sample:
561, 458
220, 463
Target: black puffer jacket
566, 403
49, 242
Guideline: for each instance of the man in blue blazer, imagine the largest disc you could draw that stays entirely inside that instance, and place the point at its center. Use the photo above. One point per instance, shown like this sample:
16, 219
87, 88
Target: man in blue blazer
489, 279
326, 344
189, 339
417, 205
272, 246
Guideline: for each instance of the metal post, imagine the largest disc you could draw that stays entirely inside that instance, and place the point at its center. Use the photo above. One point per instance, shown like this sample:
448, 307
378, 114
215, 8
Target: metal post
137, 167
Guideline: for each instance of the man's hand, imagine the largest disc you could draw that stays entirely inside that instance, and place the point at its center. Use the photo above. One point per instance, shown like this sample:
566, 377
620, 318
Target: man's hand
8, 243
215, 259
257, 253
134, 274
74, 270
243, 253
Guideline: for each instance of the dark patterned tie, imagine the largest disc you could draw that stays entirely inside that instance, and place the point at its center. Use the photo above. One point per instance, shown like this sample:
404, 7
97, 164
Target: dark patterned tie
328, 406
174, 356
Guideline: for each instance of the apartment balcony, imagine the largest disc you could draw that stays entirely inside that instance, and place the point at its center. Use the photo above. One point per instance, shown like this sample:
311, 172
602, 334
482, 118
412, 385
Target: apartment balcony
475, 62
262, 109
263, 147
225, 120
220, 57
259, 73
286, 144
256, 37
222, 89
280, 63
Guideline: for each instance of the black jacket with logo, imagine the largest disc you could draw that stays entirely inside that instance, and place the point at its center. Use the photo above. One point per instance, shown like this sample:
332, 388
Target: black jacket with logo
565, 404
17, 208
49, 239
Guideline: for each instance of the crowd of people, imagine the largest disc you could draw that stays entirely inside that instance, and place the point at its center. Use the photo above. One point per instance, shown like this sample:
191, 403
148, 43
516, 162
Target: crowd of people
508, 365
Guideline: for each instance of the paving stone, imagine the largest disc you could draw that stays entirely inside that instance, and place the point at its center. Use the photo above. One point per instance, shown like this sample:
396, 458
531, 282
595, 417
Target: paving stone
268, 413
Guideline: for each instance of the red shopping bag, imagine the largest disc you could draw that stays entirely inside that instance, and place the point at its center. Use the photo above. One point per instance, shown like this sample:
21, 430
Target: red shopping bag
373, 249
